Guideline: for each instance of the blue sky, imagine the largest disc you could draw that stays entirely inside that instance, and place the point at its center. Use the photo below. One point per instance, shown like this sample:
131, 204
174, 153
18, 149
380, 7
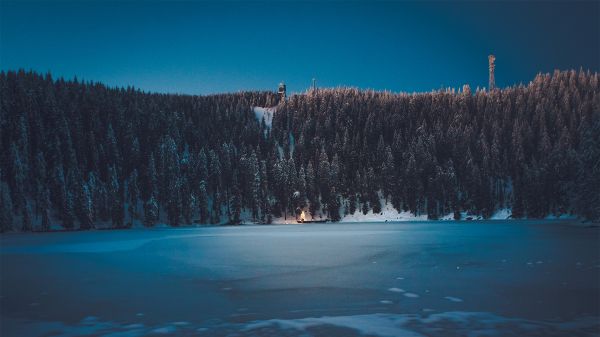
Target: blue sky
206, 47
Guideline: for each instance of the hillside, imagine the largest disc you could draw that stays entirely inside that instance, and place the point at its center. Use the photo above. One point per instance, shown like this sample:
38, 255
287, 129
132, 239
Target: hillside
80, 154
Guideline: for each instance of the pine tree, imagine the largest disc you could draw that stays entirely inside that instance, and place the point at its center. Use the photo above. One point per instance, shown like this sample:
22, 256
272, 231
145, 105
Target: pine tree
236, 202
374, 201
333, 206
45, 224
203, 203
324, 176
150, 212
116, 199
352, 204
214, 169
413, 187
114, 157
588, 182
40, 183
265, 216
170, 181
18, 173
68, 213
255, 179
26, 220
529, 147
281, 186
388, 172
133, 195
302, 186
84, 206
216, 208
186, 195
311, 191
6, 206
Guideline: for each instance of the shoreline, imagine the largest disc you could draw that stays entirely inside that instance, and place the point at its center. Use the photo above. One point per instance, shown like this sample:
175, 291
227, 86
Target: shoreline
574, 222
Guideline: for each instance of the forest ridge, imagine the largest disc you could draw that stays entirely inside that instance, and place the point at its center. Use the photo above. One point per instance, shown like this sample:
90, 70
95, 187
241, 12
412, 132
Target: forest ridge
80, 154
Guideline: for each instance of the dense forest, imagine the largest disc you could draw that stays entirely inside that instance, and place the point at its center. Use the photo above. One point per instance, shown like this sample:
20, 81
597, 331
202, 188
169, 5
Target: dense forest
83, 155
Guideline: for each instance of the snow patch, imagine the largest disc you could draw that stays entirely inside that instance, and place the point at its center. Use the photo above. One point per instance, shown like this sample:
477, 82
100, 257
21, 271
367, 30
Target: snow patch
266, 113
396, 290
442, 324
458, 323
388, 213
565, 216
453, 299
502, 214
166, 330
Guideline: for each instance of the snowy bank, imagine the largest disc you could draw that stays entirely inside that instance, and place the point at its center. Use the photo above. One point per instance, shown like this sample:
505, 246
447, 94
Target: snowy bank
388, 213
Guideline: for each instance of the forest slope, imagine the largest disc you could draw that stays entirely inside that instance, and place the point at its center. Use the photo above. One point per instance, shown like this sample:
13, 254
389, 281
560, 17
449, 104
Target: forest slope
80, 153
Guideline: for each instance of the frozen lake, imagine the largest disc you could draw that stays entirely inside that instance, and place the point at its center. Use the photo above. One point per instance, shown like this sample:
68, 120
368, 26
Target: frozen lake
494, 278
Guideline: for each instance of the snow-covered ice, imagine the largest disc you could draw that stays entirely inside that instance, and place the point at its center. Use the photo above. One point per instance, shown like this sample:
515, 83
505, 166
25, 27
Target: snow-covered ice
294, 280
396, 290
453, 299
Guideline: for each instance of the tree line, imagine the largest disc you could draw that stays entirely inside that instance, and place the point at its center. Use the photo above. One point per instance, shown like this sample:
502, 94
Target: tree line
81, 154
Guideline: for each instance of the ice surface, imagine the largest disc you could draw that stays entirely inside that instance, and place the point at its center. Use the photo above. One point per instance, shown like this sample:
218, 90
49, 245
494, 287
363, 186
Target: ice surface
295, 280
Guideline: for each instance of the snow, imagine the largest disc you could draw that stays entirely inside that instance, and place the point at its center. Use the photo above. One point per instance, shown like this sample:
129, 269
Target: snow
450, 216
388, 213
506, 213
396, 290
292, 141
502, 214
453, 299
266, 113
314, 277
561, 217
442, 324
460, 323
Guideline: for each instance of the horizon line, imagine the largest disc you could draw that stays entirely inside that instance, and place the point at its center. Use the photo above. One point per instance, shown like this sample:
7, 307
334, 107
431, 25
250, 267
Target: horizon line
76, 79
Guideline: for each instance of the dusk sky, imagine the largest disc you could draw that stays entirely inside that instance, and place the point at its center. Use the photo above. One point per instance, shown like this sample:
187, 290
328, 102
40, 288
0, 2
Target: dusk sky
204, 47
